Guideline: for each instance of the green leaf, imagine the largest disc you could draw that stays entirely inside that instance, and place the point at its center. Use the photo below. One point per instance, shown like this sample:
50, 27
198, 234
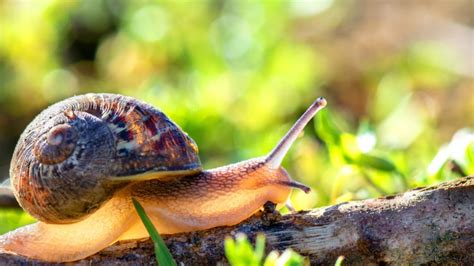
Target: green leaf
470, 158
326, 128
244, 249
349, 147
163, 255
259, 247
271, 259
339, 261
230, 250
240, 251
290, 258
376, 162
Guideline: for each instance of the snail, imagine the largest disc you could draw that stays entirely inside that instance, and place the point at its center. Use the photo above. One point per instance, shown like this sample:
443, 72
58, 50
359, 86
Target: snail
79, 162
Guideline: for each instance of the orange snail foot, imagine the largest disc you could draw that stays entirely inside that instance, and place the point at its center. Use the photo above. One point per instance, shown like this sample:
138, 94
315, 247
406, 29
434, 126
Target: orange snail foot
184, 212
70, 242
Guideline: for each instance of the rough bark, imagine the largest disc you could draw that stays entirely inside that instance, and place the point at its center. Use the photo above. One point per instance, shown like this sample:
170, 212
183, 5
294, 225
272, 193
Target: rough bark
427, 225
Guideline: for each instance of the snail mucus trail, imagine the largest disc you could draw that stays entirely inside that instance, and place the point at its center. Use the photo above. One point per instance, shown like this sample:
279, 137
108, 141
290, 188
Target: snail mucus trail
175, 192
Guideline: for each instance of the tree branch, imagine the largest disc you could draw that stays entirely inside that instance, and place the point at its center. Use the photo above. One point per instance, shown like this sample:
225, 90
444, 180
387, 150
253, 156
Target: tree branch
426, 225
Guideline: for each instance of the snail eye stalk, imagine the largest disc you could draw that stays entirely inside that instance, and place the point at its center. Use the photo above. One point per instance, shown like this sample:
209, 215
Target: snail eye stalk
276, 156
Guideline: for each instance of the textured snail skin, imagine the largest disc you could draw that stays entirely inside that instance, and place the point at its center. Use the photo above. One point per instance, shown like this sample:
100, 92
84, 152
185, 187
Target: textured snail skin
218, 197
154, 162
77, 153
221, 196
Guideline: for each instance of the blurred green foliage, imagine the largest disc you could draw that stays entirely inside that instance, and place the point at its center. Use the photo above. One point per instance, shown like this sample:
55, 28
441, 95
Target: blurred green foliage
236, 74
240, 252
12, 218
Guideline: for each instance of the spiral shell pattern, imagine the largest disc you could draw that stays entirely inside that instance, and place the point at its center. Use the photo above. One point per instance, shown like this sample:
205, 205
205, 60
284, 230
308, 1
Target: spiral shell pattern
73, 156
56, 146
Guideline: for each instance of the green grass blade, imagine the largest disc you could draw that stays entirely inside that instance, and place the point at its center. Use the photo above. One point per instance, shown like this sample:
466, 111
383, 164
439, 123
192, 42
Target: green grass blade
339, 261
259, 248
163, 255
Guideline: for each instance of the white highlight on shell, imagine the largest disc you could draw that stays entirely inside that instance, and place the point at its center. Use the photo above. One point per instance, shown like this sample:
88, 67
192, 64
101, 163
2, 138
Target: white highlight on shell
55, 139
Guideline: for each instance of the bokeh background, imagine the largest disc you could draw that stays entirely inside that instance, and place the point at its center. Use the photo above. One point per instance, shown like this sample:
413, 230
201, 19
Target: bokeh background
398, 77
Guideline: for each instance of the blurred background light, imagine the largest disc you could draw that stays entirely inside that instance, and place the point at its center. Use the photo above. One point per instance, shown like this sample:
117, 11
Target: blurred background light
149, 23
235, 75
309, 7
231, 36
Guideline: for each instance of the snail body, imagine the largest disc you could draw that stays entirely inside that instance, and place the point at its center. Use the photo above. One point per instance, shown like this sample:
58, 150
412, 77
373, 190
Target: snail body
79, 163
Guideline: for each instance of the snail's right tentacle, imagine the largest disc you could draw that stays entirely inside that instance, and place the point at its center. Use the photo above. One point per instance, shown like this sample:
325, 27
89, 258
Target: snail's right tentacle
275, 157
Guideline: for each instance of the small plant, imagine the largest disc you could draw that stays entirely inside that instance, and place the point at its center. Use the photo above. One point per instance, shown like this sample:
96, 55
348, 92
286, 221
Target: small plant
339, 261
240, 252
163, 255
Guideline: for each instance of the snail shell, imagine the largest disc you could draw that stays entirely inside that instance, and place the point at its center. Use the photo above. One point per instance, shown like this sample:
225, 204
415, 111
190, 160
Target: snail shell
77, 153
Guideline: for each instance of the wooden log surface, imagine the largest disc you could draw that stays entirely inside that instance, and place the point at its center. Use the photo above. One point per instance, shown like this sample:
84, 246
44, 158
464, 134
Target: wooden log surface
426, 225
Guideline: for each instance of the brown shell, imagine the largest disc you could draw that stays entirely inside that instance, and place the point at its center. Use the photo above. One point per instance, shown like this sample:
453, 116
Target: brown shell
74, 155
